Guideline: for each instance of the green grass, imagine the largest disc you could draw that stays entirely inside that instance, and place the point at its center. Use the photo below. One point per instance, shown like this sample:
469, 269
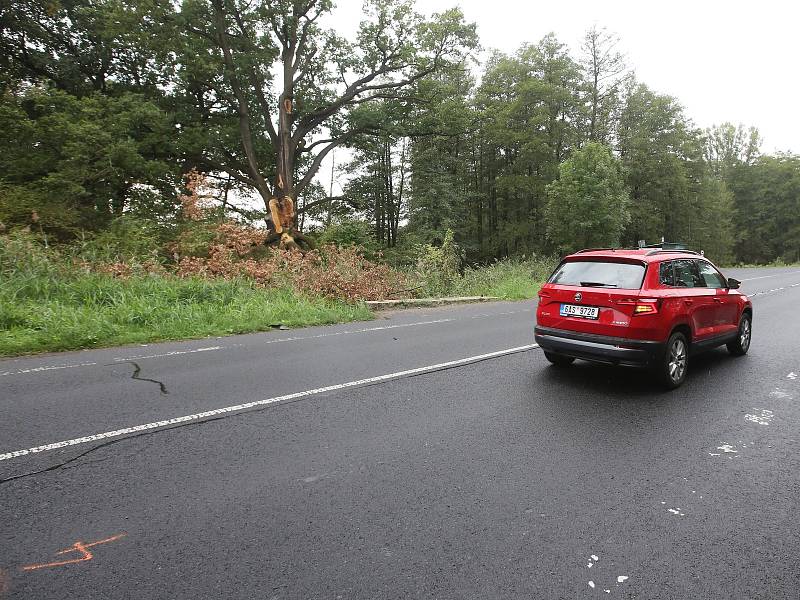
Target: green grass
508, 279
52, 310
47, 304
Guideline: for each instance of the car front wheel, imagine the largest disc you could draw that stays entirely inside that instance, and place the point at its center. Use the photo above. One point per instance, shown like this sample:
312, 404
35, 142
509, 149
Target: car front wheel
741, 344
675, 362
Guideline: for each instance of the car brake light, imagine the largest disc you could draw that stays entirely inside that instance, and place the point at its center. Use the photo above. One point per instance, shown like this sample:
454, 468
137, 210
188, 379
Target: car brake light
646, 306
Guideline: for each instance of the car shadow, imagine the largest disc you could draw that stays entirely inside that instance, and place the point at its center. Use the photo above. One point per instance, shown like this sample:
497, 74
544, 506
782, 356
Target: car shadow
706, 369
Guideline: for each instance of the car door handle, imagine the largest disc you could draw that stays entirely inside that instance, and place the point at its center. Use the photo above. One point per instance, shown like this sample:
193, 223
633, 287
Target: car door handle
688, 301
717, 300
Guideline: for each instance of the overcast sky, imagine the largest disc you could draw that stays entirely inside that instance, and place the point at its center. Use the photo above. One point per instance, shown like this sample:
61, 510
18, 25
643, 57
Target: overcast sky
724, 61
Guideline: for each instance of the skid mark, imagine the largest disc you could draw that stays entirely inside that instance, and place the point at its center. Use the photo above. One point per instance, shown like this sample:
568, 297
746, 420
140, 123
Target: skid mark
80, 547
137, 369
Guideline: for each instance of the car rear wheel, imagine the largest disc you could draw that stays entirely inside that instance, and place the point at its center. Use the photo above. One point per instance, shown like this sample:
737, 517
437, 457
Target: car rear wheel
675, 362
559, 359
741, 344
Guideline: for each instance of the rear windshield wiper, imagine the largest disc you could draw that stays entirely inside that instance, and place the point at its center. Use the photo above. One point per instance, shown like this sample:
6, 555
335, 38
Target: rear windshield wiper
596, 284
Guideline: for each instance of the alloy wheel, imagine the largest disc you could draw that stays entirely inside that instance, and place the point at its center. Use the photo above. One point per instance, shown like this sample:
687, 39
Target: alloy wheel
677, 360
744, 334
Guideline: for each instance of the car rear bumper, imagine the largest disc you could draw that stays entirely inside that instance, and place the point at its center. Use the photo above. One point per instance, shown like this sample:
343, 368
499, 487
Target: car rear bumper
599, 348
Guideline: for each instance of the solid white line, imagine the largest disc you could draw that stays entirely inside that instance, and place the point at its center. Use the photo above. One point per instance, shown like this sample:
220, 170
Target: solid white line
240, 407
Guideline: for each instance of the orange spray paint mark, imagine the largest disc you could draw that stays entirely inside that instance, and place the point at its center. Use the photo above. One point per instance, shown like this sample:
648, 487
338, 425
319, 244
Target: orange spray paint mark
81, 547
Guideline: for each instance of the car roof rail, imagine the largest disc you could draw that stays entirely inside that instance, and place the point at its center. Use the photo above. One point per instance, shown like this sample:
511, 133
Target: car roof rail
661, 250
594, 250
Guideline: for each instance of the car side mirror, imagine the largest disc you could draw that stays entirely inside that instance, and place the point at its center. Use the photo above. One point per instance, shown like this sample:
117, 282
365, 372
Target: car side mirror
734, 283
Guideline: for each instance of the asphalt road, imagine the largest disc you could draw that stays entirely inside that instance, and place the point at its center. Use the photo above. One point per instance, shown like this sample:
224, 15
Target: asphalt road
460, 476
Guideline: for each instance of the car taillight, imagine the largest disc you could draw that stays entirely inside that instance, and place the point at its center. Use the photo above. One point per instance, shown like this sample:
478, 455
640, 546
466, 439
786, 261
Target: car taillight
646, 306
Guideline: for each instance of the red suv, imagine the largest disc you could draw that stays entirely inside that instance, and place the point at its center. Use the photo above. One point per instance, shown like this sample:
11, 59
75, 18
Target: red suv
650, 307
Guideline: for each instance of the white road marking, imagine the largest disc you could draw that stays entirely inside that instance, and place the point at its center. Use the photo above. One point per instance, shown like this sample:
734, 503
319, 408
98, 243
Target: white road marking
248, 405
275, 341
768, 276
591, 584
175, 353
792, 375
46, 368
349, 331
621, 578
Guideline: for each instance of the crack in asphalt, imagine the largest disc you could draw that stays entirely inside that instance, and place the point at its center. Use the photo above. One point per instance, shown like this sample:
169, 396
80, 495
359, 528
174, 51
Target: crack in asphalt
136, 370
103, 445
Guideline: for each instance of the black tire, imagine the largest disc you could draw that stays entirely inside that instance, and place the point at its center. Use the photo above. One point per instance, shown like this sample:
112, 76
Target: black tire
740, 345
672, 367
559, 359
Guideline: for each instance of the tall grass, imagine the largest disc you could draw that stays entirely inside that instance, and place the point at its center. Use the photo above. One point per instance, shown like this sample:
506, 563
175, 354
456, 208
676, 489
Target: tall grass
510, 279
47, 304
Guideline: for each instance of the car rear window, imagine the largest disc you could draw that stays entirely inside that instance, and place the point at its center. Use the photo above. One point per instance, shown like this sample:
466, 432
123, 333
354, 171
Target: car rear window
599, 274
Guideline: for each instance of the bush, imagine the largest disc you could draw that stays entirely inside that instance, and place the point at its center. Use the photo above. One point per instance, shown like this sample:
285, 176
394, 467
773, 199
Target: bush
127, 239
437, 269
349, 233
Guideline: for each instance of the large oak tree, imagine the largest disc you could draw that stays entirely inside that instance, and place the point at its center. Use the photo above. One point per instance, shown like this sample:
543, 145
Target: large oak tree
295, 87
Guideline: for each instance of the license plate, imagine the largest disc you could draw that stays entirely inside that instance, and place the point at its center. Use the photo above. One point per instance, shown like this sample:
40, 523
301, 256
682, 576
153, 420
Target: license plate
584, 312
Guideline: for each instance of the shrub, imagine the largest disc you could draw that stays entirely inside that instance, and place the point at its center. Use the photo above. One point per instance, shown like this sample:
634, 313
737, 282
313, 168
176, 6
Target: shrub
438, 268
350, 233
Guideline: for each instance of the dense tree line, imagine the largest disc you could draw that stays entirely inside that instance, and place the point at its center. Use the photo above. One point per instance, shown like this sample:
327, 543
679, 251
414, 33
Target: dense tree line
107, 105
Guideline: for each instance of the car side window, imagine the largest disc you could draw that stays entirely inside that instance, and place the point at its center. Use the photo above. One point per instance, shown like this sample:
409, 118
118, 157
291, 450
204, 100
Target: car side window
666, 273
687, 275
711, 277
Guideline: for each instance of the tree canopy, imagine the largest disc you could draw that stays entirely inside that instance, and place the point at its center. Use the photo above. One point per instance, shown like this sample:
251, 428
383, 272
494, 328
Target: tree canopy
108, 105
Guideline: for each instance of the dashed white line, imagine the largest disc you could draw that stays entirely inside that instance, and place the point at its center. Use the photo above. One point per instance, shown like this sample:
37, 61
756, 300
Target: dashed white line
273, 341
768, 276
248, 405
350, 331
46, 368
175, 353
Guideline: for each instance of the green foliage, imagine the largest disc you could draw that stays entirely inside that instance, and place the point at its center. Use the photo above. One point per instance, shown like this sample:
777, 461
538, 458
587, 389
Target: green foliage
77, 162
47, 304
350, 232
105, 103
587, 206
662, 156
509, 278
437, 268
126, 239
767, 217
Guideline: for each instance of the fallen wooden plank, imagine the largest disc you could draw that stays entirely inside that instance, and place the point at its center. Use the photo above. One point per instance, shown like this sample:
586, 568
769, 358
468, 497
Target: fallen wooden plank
428, 301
